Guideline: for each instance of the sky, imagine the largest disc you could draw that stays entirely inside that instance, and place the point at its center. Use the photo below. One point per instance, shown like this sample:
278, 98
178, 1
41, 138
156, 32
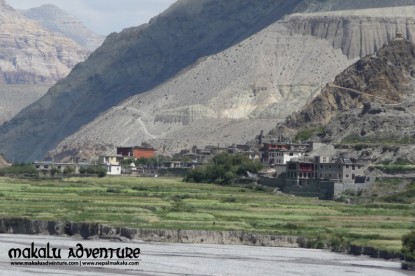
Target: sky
104, 16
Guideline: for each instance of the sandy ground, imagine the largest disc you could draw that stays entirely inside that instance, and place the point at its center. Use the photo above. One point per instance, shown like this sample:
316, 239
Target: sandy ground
185, 259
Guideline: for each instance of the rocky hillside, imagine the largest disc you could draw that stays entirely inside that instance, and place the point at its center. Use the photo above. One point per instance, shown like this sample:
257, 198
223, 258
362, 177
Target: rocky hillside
232, 96
141, 59
134, 61
30, 54
225, 98
369, 109
53, 19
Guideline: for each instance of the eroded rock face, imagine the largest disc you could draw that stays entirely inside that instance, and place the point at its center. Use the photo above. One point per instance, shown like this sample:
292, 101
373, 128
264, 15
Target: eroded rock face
357, 33
382, 84
30, 54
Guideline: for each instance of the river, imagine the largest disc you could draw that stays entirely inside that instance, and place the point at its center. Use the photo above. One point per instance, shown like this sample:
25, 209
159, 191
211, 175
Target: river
197, 259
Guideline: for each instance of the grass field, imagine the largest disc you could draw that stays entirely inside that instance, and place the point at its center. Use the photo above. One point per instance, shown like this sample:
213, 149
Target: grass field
172, 204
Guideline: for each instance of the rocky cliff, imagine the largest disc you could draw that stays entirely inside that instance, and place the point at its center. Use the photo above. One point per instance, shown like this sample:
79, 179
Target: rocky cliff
30, 54
53, 19
372, 101
357, 33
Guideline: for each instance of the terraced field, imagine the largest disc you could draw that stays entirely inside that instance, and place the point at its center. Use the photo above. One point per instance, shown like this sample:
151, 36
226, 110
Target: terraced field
171, 204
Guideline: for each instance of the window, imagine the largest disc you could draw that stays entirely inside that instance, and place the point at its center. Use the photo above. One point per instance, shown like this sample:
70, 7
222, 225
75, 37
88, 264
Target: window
347, 175
347, 166
353, 167
37, 166
321, 166
291, 154
46, 166
353, 176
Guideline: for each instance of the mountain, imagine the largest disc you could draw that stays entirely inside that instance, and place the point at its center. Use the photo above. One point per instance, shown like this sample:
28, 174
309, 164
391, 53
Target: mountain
186, 38
233, 95
31, 60
54, 19
134, 61
228, 97
29, 54
15, 97
372, 101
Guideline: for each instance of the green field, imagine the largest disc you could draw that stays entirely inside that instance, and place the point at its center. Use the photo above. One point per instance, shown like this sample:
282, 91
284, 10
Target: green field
171, 204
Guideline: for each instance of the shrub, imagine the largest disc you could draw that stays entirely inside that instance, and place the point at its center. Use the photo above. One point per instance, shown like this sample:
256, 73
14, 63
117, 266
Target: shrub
19, 169
305, 134
97, 170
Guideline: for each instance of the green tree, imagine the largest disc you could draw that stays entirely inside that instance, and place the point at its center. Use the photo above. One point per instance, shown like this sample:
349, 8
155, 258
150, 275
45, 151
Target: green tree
223, 169
408, 245
68, 170
19, 169
54, 171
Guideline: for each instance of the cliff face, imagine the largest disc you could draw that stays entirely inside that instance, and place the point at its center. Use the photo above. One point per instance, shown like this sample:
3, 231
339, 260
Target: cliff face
53, 19
357, 33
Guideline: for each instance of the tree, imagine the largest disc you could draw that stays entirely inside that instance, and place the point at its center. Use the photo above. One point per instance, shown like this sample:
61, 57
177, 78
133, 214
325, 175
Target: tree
408, 245
224, 169
68, 170
54, 171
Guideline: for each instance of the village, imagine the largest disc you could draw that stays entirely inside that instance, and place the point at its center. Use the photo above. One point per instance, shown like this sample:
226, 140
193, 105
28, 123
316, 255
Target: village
303, 169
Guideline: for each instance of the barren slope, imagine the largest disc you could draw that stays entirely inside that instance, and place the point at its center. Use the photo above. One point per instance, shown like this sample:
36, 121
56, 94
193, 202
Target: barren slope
225, 98
228, 97
134, 61
15, 97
